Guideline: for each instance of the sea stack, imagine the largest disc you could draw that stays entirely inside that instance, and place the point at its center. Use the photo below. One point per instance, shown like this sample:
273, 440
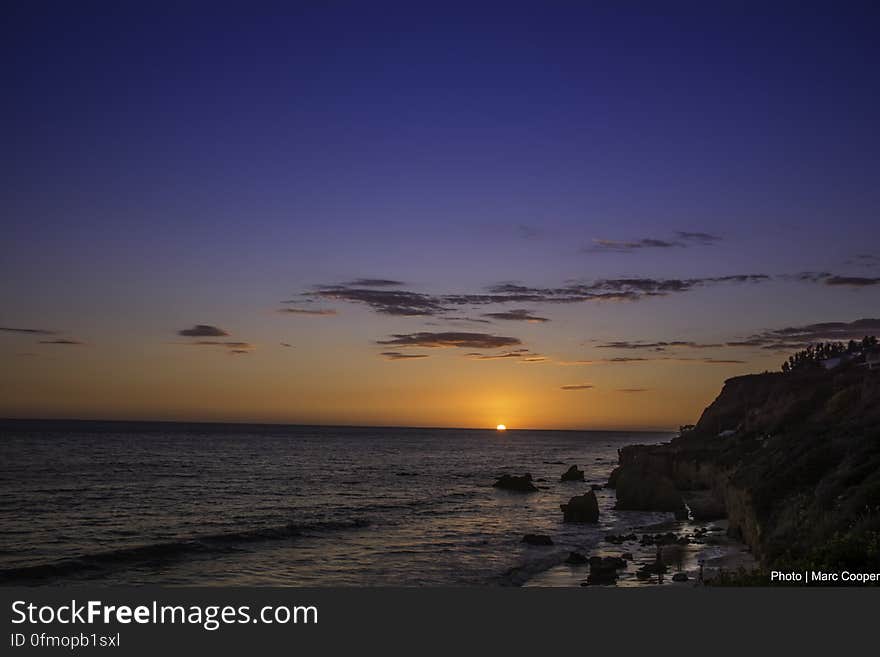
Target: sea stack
581, 508
572, 474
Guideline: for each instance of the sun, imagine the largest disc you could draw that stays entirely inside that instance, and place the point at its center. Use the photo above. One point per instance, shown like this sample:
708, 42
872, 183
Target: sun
501, 427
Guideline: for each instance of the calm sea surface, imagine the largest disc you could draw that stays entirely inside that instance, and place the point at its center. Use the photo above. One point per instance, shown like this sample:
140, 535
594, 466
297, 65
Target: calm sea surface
165, 503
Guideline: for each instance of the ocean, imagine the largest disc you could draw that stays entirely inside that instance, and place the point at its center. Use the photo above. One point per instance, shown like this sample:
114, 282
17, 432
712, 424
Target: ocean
225, 504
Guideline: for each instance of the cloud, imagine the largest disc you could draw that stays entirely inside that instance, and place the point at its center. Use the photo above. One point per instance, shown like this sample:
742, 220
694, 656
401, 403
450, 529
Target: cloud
396, 355
607, 361
203, 331
467, 319
451, 339
719, 361
797, 337
418, 304
700, 238
807, 276
852, 281
521, 355
683, 239
519, 315
625, 360
286, 344
324, 312
30, 331
63, 341
231, 346
632, 390
577, 386
373, 282
656, 346
388, 302
616, 246
222, 343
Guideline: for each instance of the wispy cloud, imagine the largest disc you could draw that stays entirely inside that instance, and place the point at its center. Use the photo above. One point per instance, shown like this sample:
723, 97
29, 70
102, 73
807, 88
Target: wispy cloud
578, 386
617, 246
412, 303
698, 237
387, 302
62, 341
852, 281
324, 312
625, 360
798, 337
397, 355
657, 346
30, 331
231, 346
203, 331
451, 339
682, 239
522, 355
632, 390
519, 315
374, 282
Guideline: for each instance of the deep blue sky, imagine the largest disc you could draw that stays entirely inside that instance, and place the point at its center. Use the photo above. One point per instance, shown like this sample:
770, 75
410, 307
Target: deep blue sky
163, 164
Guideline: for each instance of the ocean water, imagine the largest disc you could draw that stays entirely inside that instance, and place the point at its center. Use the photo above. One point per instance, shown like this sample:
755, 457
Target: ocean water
164, 503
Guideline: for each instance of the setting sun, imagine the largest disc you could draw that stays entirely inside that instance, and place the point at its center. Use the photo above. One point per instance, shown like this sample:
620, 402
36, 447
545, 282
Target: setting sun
501, 427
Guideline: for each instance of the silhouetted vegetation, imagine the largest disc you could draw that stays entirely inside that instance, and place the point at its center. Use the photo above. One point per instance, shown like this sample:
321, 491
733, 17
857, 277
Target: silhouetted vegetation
813, 355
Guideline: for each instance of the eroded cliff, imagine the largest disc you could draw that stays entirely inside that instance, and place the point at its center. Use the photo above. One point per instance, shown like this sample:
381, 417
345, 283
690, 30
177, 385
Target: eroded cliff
793, 460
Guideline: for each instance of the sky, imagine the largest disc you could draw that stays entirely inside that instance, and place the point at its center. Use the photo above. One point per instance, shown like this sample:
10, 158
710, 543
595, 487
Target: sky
546, 214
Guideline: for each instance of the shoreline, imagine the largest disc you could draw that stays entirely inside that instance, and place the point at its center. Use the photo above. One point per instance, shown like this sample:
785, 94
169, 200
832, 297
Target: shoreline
708, 546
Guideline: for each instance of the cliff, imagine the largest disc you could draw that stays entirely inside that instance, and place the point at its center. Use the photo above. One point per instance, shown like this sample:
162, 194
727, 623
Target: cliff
791, 459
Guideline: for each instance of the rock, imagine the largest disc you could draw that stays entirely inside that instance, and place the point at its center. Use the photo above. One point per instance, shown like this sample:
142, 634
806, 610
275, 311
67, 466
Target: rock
572, 474
680, 577
612, 478
627, 555
705, 505
576, 559
616, 539
537, 539
603, 570
602, 578
642, 490
521, 484
581, 508
654, 568
596, 486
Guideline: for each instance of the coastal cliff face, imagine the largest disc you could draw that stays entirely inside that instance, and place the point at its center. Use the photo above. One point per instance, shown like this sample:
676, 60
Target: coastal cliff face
792, 460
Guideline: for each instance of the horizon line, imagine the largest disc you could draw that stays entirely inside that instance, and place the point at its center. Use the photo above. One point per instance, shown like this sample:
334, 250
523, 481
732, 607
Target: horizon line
329, 426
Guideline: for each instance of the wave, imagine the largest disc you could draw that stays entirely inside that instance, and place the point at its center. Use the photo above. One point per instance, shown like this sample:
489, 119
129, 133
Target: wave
521, 573
100, 562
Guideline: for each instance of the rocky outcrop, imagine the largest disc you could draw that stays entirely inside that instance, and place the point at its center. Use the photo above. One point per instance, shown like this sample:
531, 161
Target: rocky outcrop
792, 460
537, 539
572, 474
581, 508
519, 484
603, 570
